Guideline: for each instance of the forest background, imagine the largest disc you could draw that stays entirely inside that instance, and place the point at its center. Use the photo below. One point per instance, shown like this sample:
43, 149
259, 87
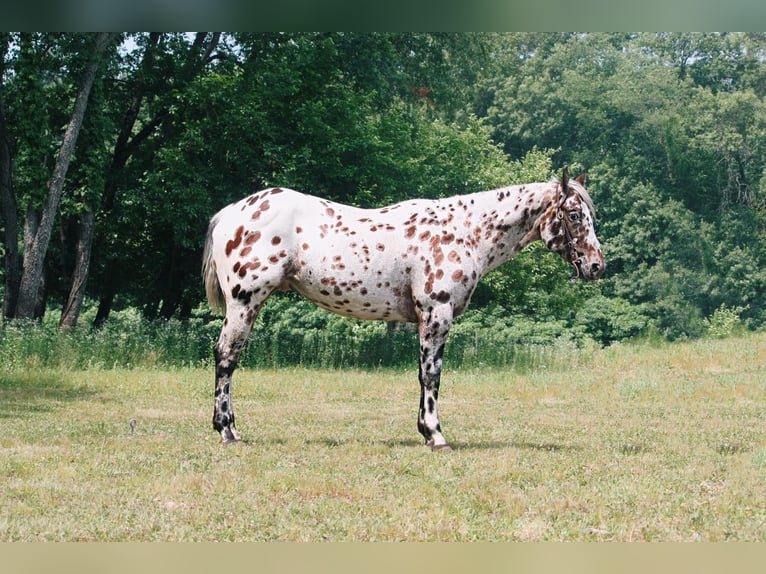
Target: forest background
116, 149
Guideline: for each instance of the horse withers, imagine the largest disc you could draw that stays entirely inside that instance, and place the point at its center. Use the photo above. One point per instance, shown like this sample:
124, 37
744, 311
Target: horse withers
415, 261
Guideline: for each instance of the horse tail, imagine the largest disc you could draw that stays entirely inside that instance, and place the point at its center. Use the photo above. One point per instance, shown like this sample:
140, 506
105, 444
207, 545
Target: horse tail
209, 273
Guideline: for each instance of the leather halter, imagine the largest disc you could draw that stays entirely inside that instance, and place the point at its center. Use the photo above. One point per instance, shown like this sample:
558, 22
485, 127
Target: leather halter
573, 257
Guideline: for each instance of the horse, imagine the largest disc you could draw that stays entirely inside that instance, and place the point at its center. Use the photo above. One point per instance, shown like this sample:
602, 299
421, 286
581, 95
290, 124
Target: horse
416, 261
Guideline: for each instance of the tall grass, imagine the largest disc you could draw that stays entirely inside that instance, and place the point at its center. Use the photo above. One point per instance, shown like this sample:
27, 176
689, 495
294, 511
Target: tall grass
292, 332
126, 342
303, 337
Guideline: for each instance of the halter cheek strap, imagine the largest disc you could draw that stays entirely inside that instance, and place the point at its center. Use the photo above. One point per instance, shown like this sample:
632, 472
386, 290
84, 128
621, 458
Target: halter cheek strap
572, 256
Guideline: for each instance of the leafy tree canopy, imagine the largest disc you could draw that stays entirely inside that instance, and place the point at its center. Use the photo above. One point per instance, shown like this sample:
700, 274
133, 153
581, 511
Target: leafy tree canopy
669, 126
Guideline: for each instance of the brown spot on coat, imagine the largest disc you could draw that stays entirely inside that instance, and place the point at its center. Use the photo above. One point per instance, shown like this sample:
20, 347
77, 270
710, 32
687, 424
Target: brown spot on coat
441, 296
232, 244
255, 264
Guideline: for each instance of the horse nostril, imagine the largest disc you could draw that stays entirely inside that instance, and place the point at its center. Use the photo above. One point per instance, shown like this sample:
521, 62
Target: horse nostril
595, 268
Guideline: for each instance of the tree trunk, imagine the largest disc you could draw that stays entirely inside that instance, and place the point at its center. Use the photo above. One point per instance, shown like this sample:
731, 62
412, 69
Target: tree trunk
104, 307
169, 291
35, 251
71, 312
11, 231
123, 149
8, 200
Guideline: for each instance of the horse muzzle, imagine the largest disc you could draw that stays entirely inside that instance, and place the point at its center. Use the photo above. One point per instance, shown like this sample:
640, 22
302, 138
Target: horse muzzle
588, 268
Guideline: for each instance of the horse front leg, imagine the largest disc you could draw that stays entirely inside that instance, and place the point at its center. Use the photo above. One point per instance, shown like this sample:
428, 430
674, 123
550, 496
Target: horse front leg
434, 325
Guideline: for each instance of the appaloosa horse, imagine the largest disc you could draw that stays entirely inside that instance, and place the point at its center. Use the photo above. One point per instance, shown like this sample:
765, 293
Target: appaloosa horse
415, 261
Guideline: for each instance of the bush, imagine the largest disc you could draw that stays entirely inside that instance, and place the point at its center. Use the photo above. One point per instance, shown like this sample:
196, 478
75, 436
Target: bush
293, 332
289, 332
724, 322
607, 320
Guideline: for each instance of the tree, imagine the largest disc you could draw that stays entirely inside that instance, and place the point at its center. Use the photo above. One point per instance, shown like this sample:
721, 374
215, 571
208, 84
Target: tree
119, 157
167, 66
38, 227
669, 126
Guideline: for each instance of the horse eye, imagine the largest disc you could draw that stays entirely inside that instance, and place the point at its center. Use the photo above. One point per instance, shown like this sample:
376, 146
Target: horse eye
574, 216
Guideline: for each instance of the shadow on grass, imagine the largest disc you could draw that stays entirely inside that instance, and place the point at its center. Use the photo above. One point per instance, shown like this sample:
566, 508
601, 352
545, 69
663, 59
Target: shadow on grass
37, 392
455, 445
331, 442
501, 445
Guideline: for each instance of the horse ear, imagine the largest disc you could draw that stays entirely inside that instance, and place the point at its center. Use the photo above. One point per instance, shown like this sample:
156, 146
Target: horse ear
582, 178
564, 185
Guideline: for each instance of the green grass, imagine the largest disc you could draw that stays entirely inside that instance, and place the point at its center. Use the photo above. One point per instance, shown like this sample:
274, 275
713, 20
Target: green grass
627, 443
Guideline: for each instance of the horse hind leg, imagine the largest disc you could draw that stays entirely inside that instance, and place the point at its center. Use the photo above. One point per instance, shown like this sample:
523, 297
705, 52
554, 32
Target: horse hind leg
434, 327
240, 315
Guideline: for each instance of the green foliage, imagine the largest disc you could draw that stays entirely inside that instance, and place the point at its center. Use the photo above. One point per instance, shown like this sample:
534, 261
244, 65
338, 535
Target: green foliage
724, 322
128, 340
608, 319
671, 133
289, 332
670, 128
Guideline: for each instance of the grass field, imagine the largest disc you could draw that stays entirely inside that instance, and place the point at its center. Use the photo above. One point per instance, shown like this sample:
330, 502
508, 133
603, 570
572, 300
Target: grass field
627, 443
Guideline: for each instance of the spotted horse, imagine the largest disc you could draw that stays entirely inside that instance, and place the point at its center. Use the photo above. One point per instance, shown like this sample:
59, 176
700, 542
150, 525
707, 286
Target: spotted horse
416, 261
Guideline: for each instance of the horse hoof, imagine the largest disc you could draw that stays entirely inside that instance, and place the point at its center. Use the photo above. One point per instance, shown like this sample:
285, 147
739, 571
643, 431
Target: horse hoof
431, 443
229, 437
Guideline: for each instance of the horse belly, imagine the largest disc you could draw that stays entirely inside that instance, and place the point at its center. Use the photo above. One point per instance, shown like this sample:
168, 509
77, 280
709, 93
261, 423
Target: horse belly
370, 296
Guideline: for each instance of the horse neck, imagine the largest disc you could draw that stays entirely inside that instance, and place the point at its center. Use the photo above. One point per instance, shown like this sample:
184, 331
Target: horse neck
509, 219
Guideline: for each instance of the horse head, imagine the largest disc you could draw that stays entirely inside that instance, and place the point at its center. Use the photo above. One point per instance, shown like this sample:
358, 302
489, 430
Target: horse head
568, 228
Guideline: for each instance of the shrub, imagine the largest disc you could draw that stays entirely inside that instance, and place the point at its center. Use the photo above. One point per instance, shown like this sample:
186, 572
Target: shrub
724, 322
